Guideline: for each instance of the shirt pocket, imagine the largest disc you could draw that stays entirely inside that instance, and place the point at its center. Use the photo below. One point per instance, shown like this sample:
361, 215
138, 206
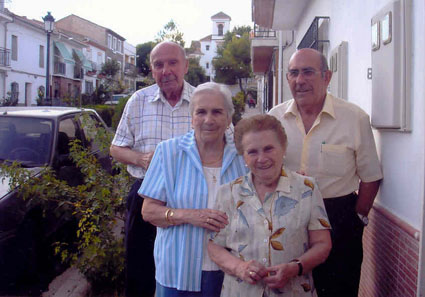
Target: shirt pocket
335, 160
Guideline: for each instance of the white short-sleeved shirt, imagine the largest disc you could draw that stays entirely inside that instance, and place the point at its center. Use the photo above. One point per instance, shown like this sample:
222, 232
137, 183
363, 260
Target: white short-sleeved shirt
148, 119
339, 150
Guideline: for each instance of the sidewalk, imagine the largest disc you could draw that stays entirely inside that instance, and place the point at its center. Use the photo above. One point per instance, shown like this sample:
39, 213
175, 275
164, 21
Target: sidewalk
71, 283
251, 111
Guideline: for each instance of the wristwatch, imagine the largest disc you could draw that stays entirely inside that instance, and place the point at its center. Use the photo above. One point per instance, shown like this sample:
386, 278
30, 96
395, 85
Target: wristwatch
300, 266
364, 219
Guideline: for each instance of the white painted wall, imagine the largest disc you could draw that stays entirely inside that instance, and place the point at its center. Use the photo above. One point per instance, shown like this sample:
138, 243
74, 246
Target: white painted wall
96, 55
129, 49
402, 157
226, 27
212, 52
26, 69
208, 56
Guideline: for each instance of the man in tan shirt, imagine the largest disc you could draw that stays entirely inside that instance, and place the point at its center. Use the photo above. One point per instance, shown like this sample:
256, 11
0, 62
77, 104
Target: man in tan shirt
331, 140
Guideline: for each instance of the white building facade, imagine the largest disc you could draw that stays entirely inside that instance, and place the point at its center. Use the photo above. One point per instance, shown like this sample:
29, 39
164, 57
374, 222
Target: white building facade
209, 44
27, 73
5, 19
354, 36
25, 77
130, 70
95, 54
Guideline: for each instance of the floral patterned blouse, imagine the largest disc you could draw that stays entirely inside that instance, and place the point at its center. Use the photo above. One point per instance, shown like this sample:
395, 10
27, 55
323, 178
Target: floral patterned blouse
272, 233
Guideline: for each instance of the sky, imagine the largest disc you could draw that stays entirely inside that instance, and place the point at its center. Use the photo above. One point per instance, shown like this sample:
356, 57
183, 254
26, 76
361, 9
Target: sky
139, 21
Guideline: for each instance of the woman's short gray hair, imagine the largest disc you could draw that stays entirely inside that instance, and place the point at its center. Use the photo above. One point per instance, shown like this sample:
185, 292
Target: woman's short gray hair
212, 87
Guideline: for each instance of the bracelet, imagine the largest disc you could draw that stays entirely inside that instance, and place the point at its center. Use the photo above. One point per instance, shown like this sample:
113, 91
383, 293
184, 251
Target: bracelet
300, 266
169, 213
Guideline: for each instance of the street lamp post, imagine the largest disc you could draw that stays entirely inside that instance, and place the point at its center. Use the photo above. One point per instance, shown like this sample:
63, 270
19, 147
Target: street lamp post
49, 25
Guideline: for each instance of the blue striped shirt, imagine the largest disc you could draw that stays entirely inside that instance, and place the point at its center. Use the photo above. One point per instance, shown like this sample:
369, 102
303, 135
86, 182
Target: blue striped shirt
175, 177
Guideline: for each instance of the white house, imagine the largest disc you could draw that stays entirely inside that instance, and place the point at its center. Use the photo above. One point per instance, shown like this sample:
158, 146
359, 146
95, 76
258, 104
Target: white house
26, 78
130, 70
209, 44
27, 74
95, 54
5, 19
376, 50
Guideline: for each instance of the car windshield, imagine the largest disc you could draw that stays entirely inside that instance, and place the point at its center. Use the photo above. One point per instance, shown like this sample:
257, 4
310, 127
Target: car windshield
26, 140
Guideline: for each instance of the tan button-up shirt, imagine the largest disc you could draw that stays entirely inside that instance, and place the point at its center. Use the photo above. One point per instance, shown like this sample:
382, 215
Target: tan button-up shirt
339, 150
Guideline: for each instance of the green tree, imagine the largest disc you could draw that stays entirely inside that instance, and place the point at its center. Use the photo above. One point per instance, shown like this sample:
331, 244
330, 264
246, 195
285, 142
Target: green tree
195, 74
233, 61
143, 52
111, 83
239, 105
110, 68
237, 31
170, 32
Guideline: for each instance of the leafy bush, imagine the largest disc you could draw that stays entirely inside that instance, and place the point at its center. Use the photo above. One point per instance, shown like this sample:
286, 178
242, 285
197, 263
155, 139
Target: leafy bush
239, 105
97, 204
106, 112
119, 108
8, 100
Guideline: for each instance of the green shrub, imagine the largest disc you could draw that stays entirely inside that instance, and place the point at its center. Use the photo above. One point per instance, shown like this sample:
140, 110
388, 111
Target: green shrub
119, 108
106, 112
239, 105
98, 204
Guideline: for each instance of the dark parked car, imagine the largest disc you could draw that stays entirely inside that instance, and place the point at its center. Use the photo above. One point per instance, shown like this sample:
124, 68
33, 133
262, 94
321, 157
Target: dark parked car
36, 137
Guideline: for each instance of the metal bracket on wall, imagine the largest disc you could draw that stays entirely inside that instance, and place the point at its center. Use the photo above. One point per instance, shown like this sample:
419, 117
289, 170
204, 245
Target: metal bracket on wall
369, 73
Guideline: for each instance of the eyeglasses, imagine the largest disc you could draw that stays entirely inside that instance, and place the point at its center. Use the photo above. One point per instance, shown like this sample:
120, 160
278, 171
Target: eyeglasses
306, 73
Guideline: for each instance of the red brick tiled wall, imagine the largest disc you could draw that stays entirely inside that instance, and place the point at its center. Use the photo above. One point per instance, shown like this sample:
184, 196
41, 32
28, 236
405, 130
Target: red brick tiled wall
391, 257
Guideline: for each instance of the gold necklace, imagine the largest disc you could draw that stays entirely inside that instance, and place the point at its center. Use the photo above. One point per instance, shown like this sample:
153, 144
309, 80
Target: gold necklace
213, 162
209, 171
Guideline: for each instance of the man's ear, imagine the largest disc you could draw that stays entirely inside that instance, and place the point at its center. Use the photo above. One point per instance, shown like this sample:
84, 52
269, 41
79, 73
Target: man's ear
186, 66
328, 76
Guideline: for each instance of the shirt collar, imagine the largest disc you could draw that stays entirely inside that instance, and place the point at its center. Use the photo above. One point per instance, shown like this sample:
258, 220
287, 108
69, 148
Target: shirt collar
184, 96
283, 185
328, 107
188, 144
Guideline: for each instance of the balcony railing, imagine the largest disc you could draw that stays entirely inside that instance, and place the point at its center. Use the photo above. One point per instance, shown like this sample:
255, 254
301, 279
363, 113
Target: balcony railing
4, 57
313, 36
59, 68
130, 69
94, 66
260, 32
78, 72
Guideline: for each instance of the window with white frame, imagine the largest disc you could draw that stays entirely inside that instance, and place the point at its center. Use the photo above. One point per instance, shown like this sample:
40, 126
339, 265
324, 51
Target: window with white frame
207, 47
110, 41
114, 43
119, 46
89, 87
41, 57
14, 48
207, 65
99, 60
220, 29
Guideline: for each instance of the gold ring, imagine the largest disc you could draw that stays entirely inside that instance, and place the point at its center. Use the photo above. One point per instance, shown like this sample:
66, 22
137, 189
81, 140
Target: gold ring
251, 273
208, 220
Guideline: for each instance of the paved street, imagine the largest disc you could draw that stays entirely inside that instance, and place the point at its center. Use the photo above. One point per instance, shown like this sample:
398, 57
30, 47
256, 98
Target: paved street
251, 111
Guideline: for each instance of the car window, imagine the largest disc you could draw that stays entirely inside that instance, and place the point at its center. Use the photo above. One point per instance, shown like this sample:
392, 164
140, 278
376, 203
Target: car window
25, 139
90, 124
68, 131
